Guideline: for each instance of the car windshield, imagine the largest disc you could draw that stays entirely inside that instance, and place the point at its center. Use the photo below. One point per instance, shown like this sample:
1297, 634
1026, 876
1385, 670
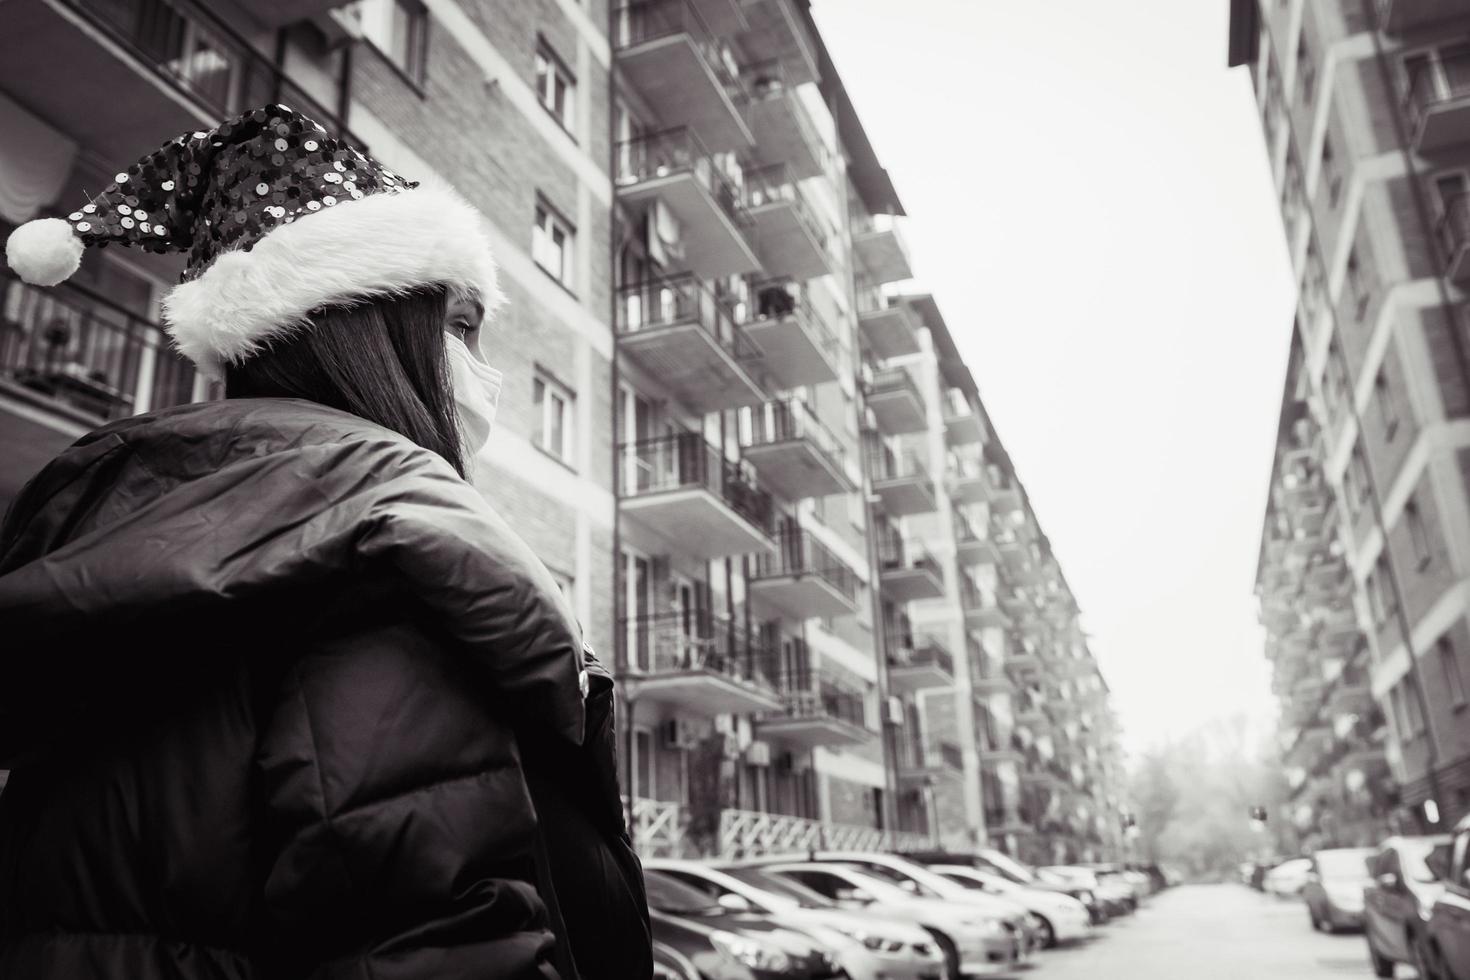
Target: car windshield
1007, 866
782, 886
667, 895
1413, 857
1344, 865
893, 876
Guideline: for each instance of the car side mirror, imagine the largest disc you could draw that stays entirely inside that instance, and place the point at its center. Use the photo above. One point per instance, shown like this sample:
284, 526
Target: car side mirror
732, 902
1389, 881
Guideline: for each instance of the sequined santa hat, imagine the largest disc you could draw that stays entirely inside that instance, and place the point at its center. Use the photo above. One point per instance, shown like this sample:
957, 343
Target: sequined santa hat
278, 219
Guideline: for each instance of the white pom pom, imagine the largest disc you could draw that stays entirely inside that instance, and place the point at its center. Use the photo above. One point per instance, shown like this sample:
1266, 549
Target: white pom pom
44, 252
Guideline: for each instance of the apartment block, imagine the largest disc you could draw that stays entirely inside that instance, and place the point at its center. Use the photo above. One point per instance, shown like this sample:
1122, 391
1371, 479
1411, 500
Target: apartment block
1365, 108
732, 423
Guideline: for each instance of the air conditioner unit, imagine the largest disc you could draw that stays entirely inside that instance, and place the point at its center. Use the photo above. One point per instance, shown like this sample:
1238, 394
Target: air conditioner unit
893, 711
758, 753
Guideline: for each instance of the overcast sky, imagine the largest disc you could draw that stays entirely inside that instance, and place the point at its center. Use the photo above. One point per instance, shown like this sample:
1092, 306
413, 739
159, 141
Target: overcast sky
1090, 203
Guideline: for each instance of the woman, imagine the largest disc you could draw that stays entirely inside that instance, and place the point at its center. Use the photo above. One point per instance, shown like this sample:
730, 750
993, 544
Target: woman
283, 697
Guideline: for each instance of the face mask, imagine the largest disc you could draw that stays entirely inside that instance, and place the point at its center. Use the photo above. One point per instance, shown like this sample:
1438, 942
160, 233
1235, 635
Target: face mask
476, 394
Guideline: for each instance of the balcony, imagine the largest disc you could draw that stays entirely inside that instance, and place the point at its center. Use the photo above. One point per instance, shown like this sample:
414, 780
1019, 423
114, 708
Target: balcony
926, 765
918, 663
896, 402
783, 129
1409, 16
1004, 495
682, 334
694, 208
778, 31
985, 679
696, 664
796, 346
962, 424
1021, 659
971, 548
681, 489
908, 573
803, 579
657, 827
1437, 101
796, 456
993, 754
825, 716
901, 480
880, 250
159, 66
752, 833
667, 53
79, 358
789, 238
968, 479
889, 325
982, 606
1454, 237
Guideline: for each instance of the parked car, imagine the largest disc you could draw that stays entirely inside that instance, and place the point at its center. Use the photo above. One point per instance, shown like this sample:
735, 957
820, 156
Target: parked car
867, 945
1287, 879
1115, 897
1334, 888
1397, 903
1002, 864
728, 945
1446, 949
973, 943
1062, 917
670, 964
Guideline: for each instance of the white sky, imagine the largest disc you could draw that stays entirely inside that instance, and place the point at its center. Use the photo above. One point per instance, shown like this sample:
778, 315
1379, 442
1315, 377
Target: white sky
1091, 205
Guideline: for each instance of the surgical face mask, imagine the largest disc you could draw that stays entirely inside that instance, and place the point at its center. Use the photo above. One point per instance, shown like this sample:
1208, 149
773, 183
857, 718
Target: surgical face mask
476, 394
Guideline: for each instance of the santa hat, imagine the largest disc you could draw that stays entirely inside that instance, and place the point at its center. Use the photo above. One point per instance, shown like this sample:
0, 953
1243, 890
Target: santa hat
279, 219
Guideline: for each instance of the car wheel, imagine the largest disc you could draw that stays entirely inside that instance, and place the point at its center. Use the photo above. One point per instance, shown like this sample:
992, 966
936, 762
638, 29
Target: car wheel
951, 955
1382, 965
1048, 933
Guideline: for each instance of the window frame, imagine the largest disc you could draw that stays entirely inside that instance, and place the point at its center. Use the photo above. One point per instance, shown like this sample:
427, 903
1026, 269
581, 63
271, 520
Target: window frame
1413, 517
382, 35
547, 389
556, 69
557, 222
1454, 679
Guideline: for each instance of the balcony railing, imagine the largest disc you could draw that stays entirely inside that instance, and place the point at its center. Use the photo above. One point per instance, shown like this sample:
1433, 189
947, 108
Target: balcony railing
792, 420
1435, 82
1454, 228
82, 350
750, 833
895, 379
766, 84
204, 57
784, 297
798, 553
695, 640
885, 464
679, 300
676, 151
686, 461
657, 827
896, 553
826, 702
772, 183
653, 20
923, 650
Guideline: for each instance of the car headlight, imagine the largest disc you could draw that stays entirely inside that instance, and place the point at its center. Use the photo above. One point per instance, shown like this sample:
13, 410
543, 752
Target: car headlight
876, 942
989, 928
750, 953
1087, 898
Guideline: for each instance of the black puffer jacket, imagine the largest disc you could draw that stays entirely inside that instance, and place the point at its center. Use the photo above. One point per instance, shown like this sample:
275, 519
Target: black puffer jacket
266, 676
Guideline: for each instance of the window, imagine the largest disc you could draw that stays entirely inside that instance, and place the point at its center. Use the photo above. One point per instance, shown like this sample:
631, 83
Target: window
555, 87
555, 414
1330, 176
1306, 71
551, 244
1418, 533
1388, 412
1454, 682
400, 30
1380, 594
1414, 718
1359, 467
1357, 285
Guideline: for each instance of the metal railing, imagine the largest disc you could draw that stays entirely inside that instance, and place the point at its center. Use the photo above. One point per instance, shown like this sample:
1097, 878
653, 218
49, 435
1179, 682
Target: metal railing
786, 298
652, 20
686, 461
886, 464
872, 299
658, 827
696, 640
765, 81
675, 151
972, 596
897, 554
677, 301
772, 184
87, 352
200, 54
750, 833
925, 650
798, 553
894, 379
826, 701
792, 420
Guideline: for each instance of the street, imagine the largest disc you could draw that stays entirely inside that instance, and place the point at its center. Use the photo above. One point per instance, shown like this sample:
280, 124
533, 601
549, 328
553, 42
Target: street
1211, 931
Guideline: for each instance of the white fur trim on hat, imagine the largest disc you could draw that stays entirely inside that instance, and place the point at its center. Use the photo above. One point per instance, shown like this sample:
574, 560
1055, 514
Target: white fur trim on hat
385, 244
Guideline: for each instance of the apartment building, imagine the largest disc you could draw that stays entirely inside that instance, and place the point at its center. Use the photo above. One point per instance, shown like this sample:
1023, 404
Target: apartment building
1334, 736
1365, 106
731, 423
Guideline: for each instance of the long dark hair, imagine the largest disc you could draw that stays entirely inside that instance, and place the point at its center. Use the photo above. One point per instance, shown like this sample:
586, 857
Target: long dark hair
381, 360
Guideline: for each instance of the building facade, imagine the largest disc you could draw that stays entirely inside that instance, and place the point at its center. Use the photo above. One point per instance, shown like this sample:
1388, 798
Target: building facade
1366, 112
731, 425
